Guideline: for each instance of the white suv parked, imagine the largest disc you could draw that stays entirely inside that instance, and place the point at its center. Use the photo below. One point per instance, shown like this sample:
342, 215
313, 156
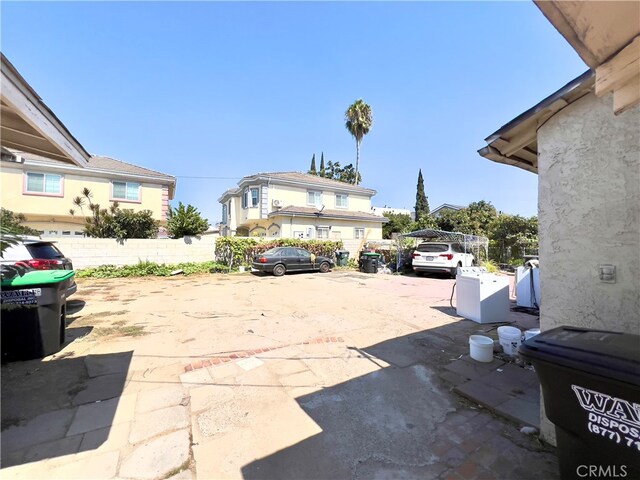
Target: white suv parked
440, 257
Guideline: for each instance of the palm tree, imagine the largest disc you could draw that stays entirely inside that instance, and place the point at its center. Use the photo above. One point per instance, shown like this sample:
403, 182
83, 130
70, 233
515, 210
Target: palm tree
358, 120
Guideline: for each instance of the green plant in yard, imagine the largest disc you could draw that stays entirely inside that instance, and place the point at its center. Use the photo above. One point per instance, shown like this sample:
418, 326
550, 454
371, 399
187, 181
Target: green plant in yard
491, 266
114, 222
12, 230
234, 251
184, 221
143, 269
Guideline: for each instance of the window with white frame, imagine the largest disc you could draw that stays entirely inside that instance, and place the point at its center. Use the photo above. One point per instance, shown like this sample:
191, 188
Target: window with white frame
358, 233
255, 197
47, 183
298, 234
245, 198
322, 232
127, 191
314, 198
342, 201
224, 213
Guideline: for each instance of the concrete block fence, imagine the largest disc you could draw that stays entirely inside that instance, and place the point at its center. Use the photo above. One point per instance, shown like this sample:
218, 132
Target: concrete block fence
93, 252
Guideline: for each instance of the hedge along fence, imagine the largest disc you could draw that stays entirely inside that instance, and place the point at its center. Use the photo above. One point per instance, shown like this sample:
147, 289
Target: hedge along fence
233, 251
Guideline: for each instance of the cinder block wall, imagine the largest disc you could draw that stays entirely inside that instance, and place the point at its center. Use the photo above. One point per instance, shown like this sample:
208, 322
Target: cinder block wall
93, 252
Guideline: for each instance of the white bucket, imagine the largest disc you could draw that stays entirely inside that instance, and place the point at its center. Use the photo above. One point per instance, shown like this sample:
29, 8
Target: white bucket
481, 348
510, 338
241, 269
531, 333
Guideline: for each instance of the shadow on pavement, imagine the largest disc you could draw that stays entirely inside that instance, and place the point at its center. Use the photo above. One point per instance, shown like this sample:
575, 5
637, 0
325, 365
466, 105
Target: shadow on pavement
59, 406
402, 421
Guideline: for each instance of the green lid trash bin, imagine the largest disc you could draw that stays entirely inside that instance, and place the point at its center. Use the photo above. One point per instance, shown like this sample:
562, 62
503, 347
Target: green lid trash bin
342, 258
369, 262
590, 382
33, 314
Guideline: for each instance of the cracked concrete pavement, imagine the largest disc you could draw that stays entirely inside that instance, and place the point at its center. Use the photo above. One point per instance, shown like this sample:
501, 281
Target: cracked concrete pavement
244, 376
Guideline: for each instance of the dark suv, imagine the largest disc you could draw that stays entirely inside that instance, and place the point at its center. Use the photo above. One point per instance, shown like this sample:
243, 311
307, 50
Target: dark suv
38, 255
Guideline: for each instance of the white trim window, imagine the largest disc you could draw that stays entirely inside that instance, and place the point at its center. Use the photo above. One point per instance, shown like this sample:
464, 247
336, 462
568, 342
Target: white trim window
224, 213
127, 191
245, 198
358, 233
255, 196
314, 198
322, 233
342, 200
44, 183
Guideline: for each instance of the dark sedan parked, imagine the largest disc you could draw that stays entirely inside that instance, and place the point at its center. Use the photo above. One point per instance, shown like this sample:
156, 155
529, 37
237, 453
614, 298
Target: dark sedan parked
289, 259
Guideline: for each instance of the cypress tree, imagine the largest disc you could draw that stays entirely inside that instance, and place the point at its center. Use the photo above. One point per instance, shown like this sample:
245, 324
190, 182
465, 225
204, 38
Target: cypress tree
322, 171
422, 204
312, 169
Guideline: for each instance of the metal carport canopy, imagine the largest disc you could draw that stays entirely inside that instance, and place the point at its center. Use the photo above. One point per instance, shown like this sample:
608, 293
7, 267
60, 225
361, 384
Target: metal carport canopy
463, 238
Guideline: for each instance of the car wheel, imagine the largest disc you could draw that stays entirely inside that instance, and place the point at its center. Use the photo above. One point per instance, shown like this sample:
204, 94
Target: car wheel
279, 270
325, 267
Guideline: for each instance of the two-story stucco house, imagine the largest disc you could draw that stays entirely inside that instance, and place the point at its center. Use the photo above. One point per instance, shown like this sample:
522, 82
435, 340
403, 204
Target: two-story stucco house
43, 189
44, 167
299, 205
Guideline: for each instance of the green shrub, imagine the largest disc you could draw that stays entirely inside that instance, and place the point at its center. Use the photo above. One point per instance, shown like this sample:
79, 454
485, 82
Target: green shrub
239, 251
490, 265
144, 269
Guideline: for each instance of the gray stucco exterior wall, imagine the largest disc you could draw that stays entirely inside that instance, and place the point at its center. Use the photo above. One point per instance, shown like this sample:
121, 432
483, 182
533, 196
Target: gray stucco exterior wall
589, 214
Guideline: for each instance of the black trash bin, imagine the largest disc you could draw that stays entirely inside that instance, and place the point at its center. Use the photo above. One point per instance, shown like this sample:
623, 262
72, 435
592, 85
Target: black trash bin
33, 314
342, 258
591, 387
369, 262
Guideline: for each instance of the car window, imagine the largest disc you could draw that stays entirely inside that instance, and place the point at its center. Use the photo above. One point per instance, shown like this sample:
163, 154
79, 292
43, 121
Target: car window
273, 251
303, 253
44, 250
289, 252
457, 248
433, 247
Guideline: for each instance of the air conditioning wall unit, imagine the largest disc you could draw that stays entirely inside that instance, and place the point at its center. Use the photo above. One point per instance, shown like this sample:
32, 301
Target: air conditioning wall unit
276, 203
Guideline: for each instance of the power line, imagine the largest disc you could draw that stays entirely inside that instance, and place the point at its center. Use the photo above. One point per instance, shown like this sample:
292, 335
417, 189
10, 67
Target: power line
208, 178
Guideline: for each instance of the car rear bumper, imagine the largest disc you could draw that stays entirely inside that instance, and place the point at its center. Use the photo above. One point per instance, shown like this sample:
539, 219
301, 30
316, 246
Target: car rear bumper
432, 269
262, 267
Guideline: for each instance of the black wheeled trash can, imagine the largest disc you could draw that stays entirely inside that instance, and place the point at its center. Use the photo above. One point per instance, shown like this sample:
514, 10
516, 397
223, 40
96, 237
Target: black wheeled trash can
33, 314
369, 262
590, 382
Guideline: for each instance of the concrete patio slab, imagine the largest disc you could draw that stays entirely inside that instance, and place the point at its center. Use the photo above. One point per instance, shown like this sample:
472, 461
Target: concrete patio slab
158, 457
158, 398
148, 425
95, 416
101, 388
43, 428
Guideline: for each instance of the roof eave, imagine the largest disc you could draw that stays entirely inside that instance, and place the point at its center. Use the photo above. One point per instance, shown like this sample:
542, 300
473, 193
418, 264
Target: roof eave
16, 91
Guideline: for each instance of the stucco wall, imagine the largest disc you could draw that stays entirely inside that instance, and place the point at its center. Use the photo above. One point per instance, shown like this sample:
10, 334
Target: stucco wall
589, 214
93, 252
37, 207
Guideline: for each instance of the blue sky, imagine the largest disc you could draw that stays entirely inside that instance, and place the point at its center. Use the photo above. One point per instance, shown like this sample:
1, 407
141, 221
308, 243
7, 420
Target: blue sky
217, 89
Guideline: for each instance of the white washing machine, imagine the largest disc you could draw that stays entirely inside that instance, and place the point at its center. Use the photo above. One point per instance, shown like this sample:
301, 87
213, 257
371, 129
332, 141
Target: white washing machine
481, 296
528, 287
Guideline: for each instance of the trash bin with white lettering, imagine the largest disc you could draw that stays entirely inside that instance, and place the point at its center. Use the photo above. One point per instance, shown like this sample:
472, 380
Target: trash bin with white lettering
33, 314
590, 382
